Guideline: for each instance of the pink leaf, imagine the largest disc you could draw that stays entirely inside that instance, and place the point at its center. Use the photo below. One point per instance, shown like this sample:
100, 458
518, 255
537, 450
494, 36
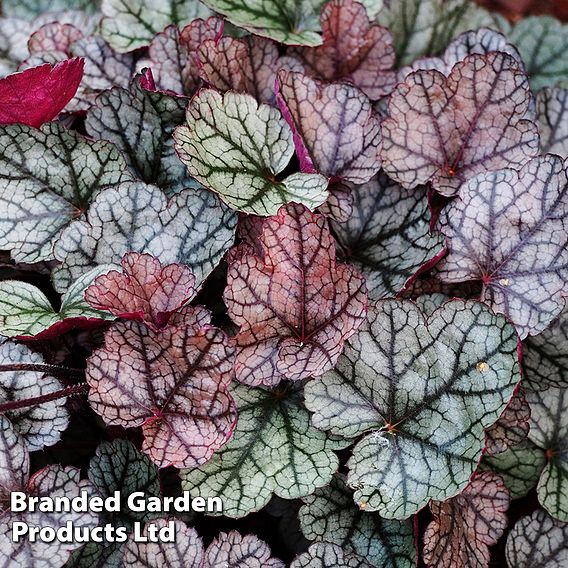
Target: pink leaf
173, 383
39, 94
335, 128
296, 306
449, 129
354, 50
146, 291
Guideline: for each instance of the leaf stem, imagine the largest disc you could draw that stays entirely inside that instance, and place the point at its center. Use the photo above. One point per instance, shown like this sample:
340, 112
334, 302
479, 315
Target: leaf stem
42, 368
72, 390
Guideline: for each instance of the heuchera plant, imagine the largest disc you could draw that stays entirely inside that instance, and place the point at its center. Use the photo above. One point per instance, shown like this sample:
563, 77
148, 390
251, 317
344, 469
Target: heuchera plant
309, 258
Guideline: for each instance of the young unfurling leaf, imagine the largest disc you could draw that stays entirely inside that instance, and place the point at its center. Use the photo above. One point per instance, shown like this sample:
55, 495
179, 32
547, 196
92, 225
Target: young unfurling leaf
295, 305
448, 129
237, 147
173, 383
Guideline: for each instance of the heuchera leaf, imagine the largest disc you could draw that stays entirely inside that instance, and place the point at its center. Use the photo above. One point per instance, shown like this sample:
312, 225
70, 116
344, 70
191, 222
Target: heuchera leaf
339, 204
425, 27
422, 390
549, 431
337, 117
287, 21
173, 383
519, 467
141, 123
542, 42
509, 230
245, 65
49, 177
388, 235
355, 50
233, 549
53, 481
295, 305
30, 8
327, 555
330, 515
193, 228
552, 112
14, 458
537, 540
54, 37
465, 526
39, 94
145, 290
39, 425
511, 428
274, 450
237, 147
26, 312
448, 129
545, 356
130, 24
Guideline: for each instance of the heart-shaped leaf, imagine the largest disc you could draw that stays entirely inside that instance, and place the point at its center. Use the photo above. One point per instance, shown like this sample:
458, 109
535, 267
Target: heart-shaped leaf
245, 65
338, 117
235, 550
237, 147
425, 27
173, 383
145, 290
286, 21
549, 431
274, 450
545, 356
294, 304
422, 390
465, 526
499, 232
387, 235
355, 50
26, 312
542, 42
511, 428
448, 129
130, 24
54, 37
193, 228
49, 177
537, 540
327, 555
51, 482
520, 467
40, 425
39, 94
552, 111
330, 515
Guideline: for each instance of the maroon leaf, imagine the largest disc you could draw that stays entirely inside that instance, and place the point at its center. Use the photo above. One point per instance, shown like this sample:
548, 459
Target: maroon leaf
448, 129
335, 128
354, 50
295, 305
145, 291
39, 94
173, 383
465, 526
246, 65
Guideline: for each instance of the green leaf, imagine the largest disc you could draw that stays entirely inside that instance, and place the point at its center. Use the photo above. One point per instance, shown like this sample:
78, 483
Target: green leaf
327, 555
542, 42
294, 22
47, 178
330, 515
29, 9
425, 27
537, 541
130, 24
549, 431
274, 450
520, 467
25, 310
423, 391
387, 235
141, 124
237, 147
